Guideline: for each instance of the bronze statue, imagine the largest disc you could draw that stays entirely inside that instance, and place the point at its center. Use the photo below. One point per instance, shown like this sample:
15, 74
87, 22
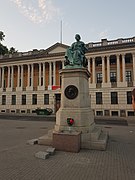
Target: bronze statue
75, 54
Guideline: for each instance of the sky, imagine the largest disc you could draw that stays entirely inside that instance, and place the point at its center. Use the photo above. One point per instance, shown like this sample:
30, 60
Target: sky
36, 24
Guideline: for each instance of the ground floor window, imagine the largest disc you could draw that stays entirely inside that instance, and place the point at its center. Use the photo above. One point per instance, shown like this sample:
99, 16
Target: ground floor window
46, 98
115, 113
23, 99
3, 99
99, 113
131, 113
13, 99
34, 99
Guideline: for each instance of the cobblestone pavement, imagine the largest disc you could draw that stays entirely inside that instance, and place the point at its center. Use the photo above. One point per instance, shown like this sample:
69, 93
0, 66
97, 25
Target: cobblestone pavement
17, 160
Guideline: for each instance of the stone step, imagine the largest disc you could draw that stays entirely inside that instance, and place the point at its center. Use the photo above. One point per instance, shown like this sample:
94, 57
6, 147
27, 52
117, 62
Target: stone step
32, 141
51, 151
95, 133
45, 140
42, 155
101, 143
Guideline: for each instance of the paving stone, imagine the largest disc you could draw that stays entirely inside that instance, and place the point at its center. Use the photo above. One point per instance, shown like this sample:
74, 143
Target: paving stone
51, 151
32, 141
42, 155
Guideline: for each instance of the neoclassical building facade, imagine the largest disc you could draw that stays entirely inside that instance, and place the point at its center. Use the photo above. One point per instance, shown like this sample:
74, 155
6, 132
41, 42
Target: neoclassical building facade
31, 80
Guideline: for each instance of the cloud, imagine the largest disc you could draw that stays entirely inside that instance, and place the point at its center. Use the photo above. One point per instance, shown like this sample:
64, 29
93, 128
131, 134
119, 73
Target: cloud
37, 11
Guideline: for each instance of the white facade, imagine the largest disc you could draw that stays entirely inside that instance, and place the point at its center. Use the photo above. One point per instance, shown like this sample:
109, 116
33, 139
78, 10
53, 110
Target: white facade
31, 80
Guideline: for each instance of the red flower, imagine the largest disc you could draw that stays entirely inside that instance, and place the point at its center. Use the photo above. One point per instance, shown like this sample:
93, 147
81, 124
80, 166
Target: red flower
70, 121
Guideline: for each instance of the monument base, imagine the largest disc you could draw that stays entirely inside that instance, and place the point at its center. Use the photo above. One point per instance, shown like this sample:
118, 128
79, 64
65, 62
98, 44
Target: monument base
75, 82
95, 139
68, 141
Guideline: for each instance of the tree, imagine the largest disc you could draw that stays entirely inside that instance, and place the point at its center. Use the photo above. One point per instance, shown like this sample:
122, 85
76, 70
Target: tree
2, 35
3, 49
12, 50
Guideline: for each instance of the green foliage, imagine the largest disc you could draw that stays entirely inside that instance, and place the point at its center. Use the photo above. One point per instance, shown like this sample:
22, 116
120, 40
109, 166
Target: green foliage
2, 35
3, 49
12, 50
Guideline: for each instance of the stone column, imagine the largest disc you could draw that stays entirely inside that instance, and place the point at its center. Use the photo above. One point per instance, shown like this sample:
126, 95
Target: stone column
9, 76
93, 71
0, 76
12, 77
50, 73
3, 69
123, 68
32, 72
108, 69
28, 80
103, 70
18, 78
89, 65
44, 75
62, 64
39, 76
133, 68
118, 69
21, 76
54, 73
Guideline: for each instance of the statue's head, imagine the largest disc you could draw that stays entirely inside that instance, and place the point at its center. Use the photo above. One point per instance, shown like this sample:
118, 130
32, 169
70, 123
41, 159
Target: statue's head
133, 99
77, 37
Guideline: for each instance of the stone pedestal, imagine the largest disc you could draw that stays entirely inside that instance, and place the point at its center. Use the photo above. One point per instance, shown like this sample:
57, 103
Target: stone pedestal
67, 141
75, 104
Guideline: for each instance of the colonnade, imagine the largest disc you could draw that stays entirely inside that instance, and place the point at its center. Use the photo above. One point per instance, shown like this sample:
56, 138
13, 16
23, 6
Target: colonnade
108, 68
30, 75
52, 72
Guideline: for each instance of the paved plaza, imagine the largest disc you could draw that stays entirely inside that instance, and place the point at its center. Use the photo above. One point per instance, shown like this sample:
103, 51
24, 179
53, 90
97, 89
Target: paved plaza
17, 160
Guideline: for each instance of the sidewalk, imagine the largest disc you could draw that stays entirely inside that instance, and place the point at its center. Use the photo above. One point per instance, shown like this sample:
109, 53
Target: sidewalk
17, 161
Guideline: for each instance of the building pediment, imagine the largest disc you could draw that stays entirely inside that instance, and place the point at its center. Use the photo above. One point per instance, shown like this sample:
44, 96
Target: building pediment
56, 48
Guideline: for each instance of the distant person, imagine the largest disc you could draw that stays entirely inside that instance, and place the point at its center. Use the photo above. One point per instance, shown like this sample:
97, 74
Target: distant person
133, 99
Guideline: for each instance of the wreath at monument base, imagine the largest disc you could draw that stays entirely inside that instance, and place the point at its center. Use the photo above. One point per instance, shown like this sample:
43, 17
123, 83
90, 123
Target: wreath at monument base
70, 121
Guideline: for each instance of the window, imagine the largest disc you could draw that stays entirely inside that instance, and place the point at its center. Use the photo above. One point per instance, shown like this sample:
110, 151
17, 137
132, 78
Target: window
98, 62
99, 77
13, 99
131, 113
112, 60
114, 98
99, 113
3, 99
128, 76
128, 59
99, 98
113, 76
34, 99
115, 113
129, 97
46, 98
41, 81
23, 99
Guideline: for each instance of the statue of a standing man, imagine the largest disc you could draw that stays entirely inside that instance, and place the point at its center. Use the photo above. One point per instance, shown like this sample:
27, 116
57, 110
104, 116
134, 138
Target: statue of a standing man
75, 54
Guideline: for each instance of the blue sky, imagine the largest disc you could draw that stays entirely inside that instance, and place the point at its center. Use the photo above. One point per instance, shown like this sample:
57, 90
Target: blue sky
35, 24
